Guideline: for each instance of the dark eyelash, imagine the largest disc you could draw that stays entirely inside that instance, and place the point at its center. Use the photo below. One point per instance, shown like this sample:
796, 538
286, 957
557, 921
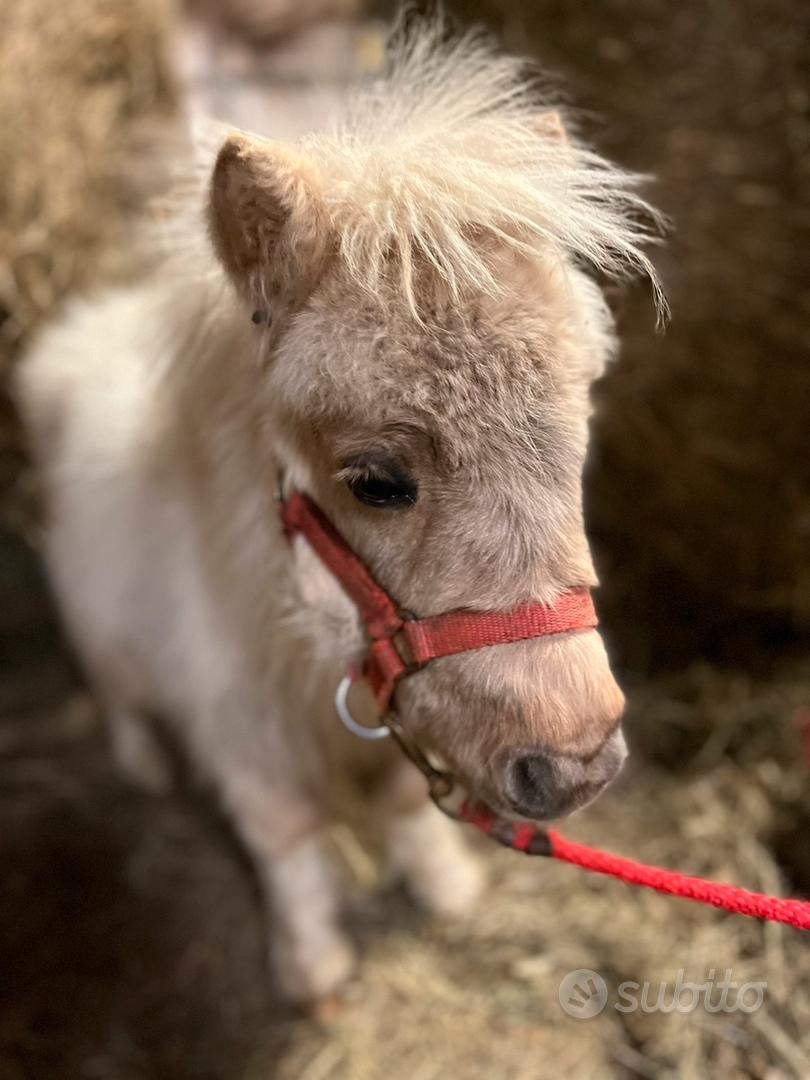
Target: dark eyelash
370, 466
379, 482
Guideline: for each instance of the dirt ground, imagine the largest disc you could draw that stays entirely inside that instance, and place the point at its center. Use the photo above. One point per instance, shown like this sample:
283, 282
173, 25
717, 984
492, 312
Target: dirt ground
131, 933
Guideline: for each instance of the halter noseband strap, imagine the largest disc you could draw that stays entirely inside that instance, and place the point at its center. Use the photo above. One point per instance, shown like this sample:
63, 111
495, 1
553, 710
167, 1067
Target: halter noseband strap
400, 644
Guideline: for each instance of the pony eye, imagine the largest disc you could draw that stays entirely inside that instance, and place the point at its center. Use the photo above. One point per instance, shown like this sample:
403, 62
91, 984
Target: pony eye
384, 494
384, 489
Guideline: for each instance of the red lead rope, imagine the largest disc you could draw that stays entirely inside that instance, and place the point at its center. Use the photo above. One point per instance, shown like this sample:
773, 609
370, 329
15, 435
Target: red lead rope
532, 840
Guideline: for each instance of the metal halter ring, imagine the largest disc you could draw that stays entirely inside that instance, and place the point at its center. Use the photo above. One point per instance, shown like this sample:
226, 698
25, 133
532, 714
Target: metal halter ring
342, 706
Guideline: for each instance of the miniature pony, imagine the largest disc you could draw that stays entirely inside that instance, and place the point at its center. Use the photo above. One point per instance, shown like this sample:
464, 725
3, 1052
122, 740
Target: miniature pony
395, 317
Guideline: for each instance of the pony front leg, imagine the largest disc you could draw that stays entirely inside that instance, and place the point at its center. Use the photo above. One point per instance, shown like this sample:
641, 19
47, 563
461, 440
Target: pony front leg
282, 830
427, 848
311, 955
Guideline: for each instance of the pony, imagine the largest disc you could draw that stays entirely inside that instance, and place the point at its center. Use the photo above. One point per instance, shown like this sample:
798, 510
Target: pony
397, 316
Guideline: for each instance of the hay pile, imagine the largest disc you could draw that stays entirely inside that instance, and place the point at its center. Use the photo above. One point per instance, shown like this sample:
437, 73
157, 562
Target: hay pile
77, 80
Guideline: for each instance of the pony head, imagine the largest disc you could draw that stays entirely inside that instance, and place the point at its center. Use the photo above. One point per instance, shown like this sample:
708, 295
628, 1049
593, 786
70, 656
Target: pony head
429, 334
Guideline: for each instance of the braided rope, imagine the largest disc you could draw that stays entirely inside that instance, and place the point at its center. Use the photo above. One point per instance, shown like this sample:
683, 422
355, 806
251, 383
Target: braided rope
528, 838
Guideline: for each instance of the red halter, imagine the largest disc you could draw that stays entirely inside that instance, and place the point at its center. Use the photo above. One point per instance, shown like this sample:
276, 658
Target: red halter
401, 644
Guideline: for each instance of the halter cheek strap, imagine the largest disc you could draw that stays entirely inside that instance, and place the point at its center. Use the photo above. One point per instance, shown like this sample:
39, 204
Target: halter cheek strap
400, 644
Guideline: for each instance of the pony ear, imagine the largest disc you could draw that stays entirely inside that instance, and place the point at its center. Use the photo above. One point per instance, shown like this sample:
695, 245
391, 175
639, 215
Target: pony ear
550, 124
266, 220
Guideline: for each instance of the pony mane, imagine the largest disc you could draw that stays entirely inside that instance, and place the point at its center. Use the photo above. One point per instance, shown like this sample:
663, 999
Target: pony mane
448, 144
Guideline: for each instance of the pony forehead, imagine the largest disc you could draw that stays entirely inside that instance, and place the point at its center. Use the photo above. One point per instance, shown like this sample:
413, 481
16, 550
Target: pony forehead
448, 154
467, 383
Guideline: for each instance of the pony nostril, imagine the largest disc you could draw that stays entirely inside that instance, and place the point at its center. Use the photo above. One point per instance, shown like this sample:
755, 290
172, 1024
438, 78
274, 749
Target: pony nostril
534, 784
546, 785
